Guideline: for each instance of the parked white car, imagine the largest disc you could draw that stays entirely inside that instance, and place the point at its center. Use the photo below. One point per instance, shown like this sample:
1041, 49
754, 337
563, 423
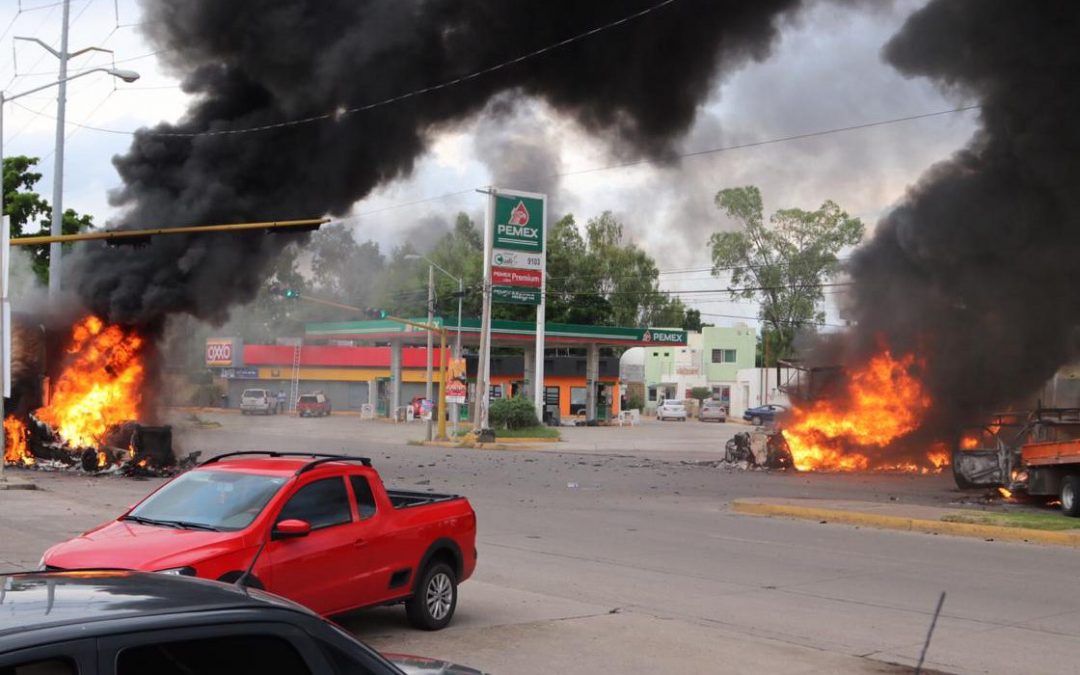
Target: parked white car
257, 401
671, 410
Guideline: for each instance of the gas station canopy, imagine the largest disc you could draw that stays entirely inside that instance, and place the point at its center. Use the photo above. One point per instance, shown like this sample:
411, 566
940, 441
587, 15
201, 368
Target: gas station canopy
503, 333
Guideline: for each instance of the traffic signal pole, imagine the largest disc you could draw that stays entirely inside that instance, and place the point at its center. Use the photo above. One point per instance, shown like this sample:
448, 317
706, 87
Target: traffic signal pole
121, 235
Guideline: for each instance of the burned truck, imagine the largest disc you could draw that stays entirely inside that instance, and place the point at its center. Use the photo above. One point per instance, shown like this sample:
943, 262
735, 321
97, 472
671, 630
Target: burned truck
1035, 453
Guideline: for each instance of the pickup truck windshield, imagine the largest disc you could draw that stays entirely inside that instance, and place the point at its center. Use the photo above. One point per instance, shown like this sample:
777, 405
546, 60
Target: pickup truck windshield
219, 500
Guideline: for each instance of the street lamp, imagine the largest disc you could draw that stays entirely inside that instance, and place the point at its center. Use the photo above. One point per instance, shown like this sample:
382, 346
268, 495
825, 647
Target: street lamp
432, 266
126, 76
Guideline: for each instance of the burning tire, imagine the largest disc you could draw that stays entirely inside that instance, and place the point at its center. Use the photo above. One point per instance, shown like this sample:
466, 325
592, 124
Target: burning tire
1070, 496
958, 478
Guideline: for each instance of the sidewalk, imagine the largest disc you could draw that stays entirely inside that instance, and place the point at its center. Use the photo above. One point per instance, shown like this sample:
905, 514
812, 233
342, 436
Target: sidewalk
904, 517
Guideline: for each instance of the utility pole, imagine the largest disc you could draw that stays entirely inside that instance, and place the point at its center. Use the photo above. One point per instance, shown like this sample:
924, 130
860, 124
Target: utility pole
56, 228
483, 366
430, 320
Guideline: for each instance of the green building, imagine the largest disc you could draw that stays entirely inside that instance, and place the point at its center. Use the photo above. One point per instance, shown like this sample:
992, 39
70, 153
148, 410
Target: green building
711, 358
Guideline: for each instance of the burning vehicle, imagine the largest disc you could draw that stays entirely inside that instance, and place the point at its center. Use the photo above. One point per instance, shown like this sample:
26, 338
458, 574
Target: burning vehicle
90, 415
856, 419
1035, 453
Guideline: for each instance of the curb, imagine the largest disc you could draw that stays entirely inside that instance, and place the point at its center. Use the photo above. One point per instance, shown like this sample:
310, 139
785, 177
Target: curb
884, 522
498, 445
527, 439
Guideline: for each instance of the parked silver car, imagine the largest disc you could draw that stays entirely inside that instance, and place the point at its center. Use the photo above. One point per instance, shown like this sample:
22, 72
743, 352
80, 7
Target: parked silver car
671, 410
713, 411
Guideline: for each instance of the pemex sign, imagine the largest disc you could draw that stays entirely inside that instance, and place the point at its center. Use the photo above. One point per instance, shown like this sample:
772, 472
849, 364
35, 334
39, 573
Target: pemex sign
517, 255
519, 223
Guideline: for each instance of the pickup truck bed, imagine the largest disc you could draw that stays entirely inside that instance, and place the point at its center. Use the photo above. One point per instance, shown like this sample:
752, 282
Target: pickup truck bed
403, 499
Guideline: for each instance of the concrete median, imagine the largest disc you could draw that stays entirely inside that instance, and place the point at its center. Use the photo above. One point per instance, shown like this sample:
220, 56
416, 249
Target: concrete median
904, 517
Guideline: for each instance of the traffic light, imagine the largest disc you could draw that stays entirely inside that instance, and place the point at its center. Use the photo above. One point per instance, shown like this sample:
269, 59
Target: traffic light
281, 291
373, 313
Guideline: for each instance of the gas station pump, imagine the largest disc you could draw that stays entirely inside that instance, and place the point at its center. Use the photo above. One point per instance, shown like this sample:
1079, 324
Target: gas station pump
603, 400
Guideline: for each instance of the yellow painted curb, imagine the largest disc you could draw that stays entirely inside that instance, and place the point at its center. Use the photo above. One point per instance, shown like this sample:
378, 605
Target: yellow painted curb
884, 522
527, 439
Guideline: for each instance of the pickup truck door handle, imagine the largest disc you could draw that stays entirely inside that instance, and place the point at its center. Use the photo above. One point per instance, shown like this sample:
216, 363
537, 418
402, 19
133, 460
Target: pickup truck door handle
359, 543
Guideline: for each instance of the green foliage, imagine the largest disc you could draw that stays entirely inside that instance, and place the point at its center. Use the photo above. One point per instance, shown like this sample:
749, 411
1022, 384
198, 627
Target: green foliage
600, 279
635, 402
692, 320
513, 413
30, 214
781, 264
700, 393
403, 285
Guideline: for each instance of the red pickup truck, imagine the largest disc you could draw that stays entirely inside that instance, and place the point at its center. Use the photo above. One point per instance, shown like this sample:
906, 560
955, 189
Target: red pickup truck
321, 530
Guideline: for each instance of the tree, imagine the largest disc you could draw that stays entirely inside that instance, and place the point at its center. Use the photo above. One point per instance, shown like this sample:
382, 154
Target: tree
699, 394
600, 279
460, 252
782, 264
31, 214
344, 270
692, 321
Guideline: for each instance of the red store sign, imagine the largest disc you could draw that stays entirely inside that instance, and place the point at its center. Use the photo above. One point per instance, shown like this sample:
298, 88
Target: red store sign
509, 276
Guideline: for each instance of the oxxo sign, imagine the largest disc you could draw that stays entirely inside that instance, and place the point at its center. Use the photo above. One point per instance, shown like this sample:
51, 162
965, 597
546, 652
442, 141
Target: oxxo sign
222, 351
517, 255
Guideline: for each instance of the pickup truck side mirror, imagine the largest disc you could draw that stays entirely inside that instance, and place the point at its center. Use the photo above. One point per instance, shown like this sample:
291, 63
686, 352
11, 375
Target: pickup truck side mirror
291, 529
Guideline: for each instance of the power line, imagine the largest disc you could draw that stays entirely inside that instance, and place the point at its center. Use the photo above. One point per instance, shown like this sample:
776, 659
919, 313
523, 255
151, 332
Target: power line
783, 139
694, 153
337, 114
757, 318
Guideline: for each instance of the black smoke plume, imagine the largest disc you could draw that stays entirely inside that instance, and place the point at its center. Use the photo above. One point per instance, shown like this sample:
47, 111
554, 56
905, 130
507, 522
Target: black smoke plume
977, 268
260, 62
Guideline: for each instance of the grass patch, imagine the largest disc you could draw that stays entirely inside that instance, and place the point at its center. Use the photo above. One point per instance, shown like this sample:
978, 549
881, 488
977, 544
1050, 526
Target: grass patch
527, 432
1034, 521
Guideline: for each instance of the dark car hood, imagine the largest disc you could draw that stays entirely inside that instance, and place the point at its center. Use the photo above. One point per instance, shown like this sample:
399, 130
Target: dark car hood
418, 665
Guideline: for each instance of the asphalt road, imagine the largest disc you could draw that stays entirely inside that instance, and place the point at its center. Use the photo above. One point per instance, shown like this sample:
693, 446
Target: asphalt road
615, 552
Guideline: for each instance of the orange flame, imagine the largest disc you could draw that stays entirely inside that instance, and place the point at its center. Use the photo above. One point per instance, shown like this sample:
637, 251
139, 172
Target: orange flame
939, 456
969, 443
101, 383
884, 402
1005, 492
15, 450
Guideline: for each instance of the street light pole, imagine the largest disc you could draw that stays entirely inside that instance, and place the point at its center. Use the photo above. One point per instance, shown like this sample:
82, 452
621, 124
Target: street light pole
56, 227
454, 407
430, 319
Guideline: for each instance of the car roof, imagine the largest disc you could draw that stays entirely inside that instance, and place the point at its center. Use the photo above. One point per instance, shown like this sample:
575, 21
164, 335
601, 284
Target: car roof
35, 600
273, 466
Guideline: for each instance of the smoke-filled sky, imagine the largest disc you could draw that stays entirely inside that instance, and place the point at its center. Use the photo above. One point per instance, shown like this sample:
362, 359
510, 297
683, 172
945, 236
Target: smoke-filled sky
823, 70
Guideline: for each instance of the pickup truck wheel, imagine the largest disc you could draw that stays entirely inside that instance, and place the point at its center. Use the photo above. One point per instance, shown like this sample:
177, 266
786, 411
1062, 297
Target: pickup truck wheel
433, 604
1070, 496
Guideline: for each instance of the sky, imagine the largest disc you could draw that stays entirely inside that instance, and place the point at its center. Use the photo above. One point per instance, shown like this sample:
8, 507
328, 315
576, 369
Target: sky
825, 73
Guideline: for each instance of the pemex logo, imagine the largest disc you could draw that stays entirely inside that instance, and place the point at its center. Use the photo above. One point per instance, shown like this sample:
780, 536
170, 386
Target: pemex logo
647, 337
520, 214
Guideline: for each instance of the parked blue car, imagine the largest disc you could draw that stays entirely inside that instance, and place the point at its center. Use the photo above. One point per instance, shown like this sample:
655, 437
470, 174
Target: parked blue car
763, 413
